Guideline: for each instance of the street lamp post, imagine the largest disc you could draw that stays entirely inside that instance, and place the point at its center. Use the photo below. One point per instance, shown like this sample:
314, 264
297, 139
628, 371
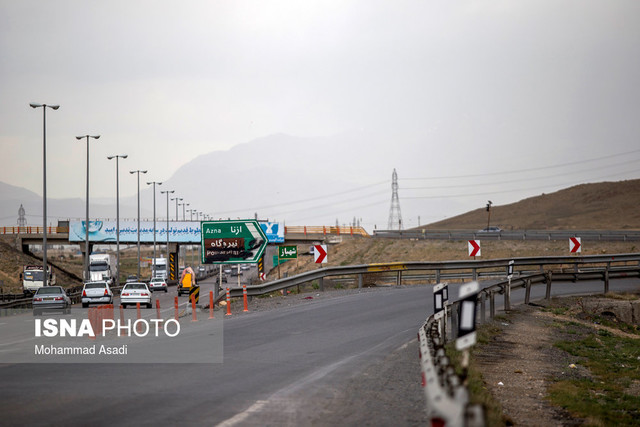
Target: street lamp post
154, 224
87, 275
138, 172
183, 205
167, 193
177, 199
44, 187
117, 157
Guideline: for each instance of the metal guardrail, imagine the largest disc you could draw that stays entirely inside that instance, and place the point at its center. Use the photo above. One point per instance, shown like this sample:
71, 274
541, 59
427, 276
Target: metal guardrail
446, 269
471, 269
586, 235
447, 398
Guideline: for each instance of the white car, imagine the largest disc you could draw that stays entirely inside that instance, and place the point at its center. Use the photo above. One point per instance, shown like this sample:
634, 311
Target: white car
133, 293
158, 284
96, 293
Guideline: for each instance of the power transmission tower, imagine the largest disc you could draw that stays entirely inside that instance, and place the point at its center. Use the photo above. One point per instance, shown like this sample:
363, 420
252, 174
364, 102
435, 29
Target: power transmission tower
395, 217
22, 220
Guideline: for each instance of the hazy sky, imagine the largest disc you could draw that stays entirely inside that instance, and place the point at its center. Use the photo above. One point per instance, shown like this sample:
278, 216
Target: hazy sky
469, 87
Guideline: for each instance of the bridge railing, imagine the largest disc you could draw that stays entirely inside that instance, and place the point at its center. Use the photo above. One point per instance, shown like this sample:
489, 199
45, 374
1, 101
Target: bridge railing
33, 230
325, 230
296, 229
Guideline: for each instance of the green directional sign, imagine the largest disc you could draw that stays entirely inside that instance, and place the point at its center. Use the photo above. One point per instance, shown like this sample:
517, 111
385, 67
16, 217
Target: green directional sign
287, 252
232, 242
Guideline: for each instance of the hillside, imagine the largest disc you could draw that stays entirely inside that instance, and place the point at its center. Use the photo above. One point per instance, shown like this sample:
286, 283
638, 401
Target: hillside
605, 205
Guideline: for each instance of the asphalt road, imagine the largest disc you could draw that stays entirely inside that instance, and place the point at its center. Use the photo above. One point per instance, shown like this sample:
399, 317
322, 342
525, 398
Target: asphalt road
268, 356
322, 362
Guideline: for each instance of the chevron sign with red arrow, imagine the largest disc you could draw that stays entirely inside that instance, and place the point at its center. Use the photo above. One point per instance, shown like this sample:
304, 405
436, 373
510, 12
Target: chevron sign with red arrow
320, 254
474, 248
575, 245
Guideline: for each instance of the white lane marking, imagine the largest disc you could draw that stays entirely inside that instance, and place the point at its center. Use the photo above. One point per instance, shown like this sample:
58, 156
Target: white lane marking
242, 416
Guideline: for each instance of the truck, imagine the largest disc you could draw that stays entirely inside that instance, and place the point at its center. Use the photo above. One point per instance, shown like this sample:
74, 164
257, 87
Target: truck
32, 278
101, 268
159, 268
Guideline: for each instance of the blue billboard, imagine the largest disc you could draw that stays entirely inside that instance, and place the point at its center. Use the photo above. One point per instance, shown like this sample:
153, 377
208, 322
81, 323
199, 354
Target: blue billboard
105, 231
274, 231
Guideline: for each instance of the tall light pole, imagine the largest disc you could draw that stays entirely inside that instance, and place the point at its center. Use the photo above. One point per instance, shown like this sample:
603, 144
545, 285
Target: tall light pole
154, 224
87, 275
167, 193
44, 187
117, 157
177, 199
138, 171
183, 205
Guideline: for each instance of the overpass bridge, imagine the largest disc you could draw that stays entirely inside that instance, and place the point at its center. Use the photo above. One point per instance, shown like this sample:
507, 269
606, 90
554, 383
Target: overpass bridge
181, 233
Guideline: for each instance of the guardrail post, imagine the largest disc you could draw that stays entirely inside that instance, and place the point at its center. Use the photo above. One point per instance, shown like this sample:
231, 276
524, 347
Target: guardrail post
438, 276
454, 321
507, 297
606, 280
360, 279
399, 278
547, 280
321, 283
443, 324
475, 274
527, 291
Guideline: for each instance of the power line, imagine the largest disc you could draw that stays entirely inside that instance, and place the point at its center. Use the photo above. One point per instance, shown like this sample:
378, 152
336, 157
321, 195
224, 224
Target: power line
573, 183
519, 180
311, 199
519, 171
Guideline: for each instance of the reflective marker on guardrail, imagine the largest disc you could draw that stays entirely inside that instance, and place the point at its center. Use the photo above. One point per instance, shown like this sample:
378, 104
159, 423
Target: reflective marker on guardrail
467, 316
440, 297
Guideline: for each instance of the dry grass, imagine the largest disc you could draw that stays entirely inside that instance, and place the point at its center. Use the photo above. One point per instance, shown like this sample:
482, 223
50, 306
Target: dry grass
600, 206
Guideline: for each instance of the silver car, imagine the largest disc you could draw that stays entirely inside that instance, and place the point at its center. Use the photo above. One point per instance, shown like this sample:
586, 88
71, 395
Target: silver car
51, 298
133, 293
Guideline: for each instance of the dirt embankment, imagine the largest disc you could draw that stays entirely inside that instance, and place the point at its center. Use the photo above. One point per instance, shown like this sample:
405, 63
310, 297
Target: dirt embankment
522, 363
12, 262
